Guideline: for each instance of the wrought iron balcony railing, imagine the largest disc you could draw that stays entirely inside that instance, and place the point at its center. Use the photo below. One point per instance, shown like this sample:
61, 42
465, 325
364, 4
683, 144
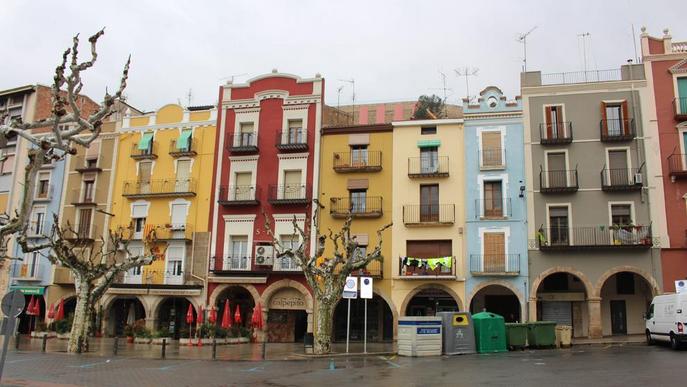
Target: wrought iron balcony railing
365, 161
238, 195
427, 268
141, 154
428, 166
292, 140
495, 208
556, 133
609, 237
289, 194
182, 151
79, 197
621, 179
43, 193
495, 264
242, 143
558, 181
677, 166
368, 207
429, 214
247, 264
159, 188
616, 129
145, 276
82, 165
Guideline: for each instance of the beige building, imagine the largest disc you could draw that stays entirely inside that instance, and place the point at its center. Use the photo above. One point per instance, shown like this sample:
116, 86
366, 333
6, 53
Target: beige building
427, 264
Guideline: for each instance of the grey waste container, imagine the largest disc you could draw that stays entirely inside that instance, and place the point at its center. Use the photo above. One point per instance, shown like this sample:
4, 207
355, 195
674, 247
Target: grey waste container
458, 333
419, 336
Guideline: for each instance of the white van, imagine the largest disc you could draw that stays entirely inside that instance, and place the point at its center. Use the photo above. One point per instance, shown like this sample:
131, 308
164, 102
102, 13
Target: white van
666, 319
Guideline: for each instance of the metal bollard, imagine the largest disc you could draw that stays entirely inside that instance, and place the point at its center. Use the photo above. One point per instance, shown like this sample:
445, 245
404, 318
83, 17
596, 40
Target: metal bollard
264, 349
16, 341
214, 349
44, 343
164, 348
115, 346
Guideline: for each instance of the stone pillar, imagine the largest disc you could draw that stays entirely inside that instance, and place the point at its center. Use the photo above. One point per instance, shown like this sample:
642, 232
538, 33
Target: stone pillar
594, 305
151, 323
532, 316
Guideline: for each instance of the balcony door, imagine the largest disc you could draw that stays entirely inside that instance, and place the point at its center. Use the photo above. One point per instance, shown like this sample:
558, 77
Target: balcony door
359, 155
429, 203
429, 160
491, 149
557, 175
358, 200
295, 133
84, 229
183, 176
238, 258
246, 135
617, 168
554, 122
292, 185
288, 242
493, 199
145, 169
494, 252
614, 119
682, 95
174, 274
179, 211
243, 190
559, 234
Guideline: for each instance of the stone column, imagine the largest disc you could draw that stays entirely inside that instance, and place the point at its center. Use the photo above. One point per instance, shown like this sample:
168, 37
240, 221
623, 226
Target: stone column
151, 323
533, 310
594, 305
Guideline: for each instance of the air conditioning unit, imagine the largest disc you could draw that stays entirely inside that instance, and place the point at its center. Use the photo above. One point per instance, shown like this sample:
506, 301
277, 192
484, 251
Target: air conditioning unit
639, 179
264, 255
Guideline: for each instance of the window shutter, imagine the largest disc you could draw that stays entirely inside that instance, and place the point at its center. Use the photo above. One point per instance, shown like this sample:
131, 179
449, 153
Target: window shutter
178, 214
604, 122
8, 164
549, 122
358, 183
491, 140
93, 150
625, 119
139, 210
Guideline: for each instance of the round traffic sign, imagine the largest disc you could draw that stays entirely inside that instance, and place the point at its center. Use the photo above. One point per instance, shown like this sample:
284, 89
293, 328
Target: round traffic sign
13, 303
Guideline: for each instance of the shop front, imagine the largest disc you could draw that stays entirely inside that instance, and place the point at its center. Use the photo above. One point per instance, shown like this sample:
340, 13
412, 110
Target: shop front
28, 320
287, 316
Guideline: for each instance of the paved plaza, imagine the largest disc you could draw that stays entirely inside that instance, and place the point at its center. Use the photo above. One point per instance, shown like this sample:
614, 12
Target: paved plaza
607, 365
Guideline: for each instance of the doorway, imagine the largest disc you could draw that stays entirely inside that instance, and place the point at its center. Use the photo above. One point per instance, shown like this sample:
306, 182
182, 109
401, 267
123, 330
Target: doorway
618, 317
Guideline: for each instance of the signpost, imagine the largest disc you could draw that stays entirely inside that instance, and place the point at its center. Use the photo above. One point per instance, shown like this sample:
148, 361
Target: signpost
350, 291
12, 306
681, 286
366, 294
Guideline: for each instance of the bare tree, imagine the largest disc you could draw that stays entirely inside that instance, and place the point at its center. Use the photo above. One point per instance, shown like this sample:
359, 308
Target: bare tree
95, 267
67, 127
326, 275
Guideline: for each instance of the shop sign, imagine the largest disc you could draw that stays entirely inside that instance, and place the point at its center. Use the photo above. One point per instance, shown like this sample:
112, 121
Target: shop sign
30, 290
287, 299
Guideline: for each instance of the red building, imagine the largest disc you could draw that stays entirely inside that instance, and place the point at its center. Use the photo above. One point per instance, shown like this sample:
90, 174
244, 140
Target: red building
665, 64
268, 135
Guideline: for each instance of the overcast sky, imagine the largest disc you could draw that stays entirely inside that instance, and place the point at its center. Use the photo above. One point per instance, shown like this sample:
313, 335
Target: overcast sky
394, 50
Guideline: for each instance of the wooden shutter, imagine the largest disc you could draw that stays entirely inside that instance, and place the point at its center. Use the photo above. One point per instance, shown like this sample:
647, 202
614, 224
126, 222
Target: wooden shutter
429, 248
494, 252
84, 223
604, 122
625, 119
491, 148
246, 127
549, 123
243, 189
144, 170
178, 214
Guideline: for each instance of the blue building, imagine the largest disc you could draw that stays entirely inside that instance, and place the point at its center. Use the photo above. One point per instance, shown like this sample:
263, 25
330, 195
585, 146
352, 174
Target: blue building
496, 207
33, 273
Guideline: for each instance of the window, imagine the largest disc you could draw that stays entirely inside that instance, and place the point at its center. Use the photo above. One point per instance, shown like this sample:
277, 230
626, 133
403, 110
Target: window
288, 242
358, 200
554, 122
179, 211
7, 164
139, 226
682, 95
359, 155
238, 253
493, 199
618, 171
247, 134
184, 141
43, 185
37, 226
429, 159
494, 252
92, 163
371, 116
491, 149
428, 130
361, 251
29, 266
557, 175
183, 176
621, 214
558, 221
295, 132
614, 118
429, 203
133, 275
175, 261
243, 189
625, 283
84, 229
145, 146
292, 185
88, 191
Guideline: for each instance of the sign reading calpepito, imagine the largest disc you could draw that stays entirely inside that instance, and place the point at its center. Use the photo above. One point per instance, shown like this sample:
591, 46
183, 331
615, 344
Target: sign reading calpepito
287, 299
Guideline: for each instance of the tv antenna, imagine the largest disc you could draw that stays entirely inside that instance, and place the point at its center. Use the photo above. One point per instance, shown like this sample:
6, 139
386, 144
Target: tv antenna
352, 82
231, 77
467, 72
189, 96
338, 96
584, 37
522, 38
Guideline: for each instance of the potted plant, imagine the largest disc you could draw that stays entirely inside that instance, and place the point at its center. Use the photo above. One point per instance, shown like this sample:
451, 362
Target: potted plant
141, 333
244, 335
63, 327
160, 335
129, 333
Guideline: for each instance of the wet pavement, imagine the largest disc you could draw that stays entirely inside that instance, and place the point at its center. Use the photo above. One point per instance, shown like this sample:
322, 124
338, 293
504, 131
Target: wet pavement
610, 365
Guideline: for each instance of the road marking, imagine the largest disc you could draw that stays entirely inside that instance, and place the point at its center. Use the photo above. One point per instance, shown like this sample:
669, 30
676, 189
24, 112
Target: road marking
332, 366
256, 369
390, 363
539, 363
21, 360
90, 365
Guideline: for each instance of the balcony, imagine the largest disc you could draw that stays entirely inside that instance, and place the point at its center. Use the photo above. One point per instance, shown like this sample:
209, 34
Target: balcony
149, 153
563, 181
238, 196
429, 214
84, 234
491, 159
420, 167
26, 271
677, 166
556, 133
78, 197
242, 143
369, 207
63, 276
621, 179
493, 209
426, 268
616, 130
680, 105
368, 161
159, 188
594, 237
146, 277
44, 193
590, 76
292, 140
163, 232
373, 269
189, 150
498, 265
249, 266
82, 165
288, 194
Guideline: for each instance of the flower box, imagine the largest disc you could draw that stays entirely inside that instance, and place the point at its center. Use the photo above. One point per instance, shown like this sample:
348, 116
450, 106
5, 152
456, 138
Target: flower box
142, 340
158, 340
63, 336
38, 335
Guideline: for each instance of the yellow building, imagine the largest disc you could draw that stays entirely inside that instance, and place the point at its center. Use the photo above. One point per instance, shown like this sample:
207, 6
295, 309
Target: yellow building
428, 214
163, 183
356, 166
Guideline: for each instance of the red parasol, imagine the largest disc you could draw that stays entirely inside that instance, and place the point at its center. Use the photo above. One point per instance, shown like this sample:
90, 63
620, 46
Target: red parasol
30, 308
200, 316
59, 314
189, 315
51, 311
212, 317
226, 319
37, 307
256, 320
237, 315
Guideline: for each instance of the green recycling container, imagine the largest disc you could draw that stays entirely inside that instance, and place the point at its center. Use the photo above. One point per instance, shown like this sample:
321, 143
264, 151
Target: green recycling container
490, 332
516, 335
541, 334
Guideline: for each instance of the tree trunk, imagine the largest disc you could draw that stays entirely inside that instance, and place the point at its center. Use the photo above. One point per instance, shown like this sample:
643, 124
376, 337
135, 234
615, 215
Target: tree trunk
79, 335
323, 327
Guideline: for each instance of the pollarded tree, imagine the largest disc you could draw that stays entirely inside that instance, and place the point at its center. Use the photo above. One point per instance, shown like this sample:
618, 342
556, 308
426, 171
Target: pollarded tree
429, 107
326, 275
